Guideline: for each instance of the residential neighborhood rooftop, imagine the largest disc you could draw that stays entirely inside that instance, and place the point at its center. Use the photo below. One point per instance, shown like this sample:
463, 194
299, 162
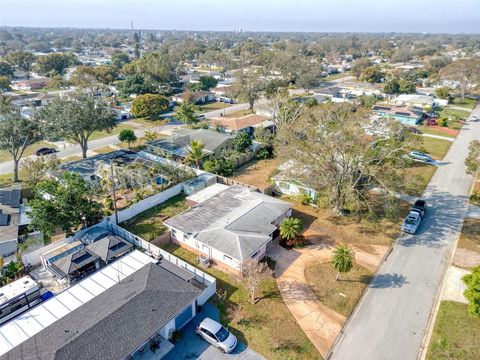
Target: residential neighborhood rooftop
236, 221
106, 316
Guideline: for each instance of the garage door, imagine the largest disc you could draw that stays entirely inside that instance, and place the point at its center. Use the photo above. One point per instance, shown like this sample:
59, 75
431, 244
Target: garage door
183, 317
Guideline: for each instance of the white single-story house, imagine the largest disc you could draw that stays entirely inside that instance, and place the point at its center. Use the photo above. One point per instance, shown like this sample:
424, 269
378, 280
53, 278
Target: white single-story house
419, 100
287, 182
196, 97
232, 226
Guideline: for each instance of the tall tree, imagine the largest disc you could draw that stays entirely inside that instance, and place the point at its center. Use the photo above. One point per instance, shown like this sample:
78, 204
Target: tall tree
23, 60
149, 106
334, 151
64, 203
186, 113
360, 65
247, 87
242, 141
195, 153
76, 119
55, 63
466, 72
36, 169
343, 259
6, 69
119, 59
16, 133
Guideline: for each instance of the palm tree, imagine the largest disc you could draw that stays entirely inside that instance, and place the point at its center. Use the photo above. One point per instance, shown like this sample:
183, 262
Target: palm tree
195, 153
343, 259
290, 228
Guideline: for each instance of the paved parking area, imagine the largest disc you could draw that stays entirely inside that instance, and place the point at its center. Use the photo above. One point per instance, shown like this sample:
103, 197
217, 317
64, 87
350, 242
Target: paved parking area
192, 347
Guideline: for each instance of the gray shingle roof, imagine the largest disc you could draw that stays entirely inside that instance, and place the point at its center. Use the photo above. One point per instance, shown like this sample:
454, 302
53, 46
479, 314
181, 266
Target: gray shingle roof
116, 322
110, 247
237, 221
179, 142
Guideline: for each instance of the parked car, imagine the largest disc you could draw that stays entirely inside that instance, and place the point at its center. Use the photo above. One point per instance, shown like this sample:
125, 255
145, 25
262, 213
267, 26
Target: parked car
420, 206
414, 130
201, 117
45, 151
418, 155
474, 118
412, 222
217, 335
432, 122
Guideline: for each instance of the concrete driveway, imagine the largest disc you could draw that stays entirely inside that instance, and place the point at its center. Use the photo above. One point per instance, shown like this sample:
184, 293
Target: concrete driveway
191, 346
320, 323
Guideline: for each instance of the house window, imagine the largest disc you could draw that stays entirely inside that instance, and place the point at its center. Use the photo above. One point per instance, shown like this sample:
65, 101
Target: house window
174, 233
255, 255
227, 258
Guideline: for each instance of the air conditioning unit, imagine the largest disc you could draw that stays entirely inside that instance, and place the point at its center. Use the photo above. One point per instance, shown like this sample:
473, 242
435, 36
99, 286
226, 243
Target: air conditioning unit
204, 261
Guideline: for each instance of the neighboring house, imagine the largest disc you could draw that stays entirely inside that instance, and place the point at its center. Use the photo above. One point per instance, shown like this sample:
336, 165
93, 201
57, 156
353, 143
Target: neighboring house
232, 226
121, 312
10, 205
197, 97
286, 181
18, 296
420, 101
31, 84
178, 145
220, 90
410, 115
74, 260
246, 123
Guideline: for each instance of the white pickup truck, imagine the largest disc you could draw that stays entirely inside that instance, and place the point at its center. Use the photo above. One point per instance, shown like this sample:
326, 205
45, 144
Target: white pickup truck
415, 216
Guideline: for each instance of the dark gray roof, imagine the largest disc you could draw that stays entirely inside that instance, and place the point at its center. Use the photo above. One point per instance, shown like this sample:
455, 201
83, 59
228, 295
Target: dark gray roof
11, 197
115, 323
237, 221
72, 262
89, 165
179, 142
110, 247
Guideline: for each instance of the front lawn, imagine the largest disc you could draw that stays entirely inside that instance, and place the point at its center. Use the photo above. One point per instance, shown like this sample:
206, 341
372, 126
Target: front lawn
447, 112
435, 131
417, 177
465, 103
239, 113
437, 148
267, 327
470, 235
342, 295
456, 334
115, 131
213, 106
149, 224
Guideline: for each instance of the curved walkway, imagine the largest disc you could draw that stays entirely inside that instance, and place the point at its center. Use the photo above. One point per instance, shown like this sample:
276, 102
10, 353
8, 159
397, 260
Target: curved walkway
318, 322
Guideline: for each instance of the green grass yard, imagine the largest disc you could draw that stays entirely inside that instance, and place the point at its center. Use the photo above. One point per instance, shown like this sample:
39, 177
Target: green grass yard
267, 327
433, 131
465, 103
239, 113
437, 148
456, 334
454, 113
115, 131
213, 106
149, 224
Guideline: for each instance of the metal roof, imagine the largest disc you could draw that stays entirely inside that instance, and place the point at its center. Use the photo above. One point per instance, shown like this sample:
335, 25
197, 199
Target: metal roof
40, 317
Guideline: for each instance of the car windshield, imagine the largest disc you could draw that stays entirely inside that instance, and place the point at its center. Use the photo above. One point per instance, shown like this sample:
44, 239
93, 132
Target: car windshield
410, 221
222, 334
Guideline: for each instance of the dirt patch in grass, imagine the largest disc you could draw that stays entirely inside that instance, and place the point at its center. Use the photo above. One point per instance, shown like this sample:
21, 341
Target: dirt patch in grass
467, 253
456, 334
257, 172
437, 148
342, 295
267, 327
149, 224
470, 235
322, 226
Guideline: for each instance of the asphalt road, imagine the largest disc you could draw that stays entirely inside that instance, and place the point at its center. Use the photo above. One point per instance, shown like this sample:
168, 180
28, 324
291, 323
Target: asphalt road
7, 166
393, 316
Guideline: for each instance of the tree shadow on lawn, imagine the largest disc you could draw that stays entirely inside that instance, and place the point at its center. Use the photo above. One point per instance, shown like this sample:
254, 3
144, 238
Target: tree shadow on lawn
307, 219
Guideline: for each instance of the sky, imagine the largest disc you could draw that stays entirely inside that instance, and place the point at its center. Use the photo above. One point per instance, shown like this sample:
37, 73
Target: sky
431, 16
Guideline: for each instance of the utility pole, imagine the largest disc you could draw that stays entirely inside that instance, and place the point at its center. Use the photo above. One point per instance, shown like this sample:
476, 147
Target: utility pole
113, 193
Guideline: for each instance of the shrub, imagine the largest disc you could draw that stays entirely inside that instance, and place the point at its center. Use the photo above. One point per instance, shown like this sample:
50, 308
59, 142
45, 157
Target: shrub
263, 154
442, 122
305, 199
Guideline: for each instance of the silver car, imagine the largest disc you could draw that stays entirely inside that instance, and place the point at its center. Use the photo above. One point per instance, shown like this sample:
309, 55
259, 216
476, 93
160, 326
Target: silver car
418, 155
217, 335
412, 222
